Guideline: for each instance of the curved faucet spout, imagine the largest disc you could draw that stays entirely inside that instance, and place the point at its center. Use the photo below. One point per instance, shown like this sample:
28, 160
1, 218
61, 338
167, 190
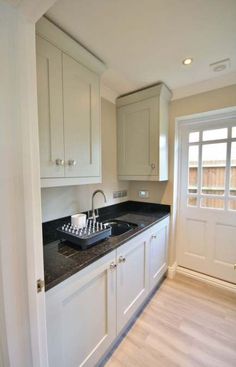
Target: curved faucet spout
93, 196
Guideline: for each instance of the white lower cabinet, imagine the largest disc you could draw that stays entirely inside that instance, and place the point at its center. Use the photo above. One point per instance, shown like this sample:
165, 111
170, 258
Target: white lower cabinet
132, 279
157, 252
86, 312
81, 316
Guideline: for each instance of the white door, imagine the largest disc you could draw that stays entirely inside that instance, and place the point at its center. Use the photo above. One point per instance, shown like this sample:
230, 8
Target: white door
138, 138
81, 316
132, 279
207, 198
81, 120
50, 109
157, 252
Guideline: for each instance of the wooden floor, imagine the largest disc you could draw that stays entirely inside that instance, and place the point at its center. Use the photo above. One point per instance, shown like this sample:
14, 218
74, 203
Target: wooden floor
186, 324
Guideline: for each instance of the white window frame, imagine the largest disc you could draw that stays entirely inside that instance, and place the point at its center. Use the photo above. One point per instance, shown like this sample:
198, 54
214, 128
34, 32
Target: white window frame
226, 197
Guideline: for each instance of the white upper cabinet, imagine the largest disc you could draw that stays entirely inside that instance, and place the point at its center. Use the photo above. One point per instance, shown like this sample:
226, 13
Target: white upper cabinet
68, 79
81, 119
50, 109
142, 120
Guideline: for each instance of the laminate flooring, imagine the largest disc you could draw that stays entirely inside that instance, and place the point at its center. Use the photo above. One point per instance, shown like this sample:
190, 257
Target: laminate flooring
186, 324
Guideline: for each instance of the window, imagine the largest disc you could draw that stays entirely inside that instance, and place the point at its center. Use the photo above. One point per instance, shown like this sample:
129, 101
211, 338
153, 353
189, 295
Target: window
212, 169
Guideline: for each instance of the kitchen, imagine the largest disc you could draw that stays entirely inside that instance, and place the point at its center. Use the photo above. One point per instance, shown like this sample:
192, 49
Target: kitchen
137, 183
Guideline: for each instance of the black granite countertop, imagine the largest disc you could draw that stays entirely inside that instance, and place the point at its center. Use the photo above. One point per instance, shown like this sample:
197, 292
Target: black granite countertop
62, 259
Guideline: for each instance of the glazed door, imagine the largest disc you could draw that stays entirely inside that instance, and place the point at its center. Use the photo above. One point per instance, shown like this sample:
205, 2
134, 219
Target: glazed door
207, 205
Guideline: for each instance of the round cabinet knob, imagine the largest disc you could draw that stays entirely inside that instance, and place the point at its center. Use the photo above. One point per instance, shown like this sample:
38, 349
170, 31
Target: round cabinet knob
122, 259
72, 162
153, 166
113, 266
59, 162
154, 236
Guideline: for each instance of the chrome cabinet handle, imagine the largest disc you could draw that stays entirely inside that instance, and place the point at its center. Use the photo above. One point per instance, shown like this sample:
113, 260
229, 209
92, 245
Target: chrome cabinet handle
72, 162
113, 266
153, 166
122, 259
59, 162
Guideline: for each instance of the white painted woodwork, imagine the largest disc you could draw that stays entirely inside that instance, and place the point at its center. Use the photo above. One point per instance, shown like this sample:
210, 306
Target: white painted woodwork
49, 31
23, 331
142, 119
81, 316
69, 109
81, 119
132, 278
50, 108
157, 252
86, 312
205, 236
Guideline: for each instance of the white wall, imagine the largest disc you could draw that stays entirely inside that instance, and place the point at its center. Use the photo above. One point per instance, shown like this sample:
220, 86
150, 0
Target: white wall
63, 201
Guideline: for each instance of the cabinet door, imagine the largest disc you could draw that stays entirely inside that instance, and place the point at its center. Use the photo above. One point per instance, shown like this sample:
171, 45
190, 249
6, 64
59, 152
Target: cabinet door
81, 119
81, 316
132, 279
157, 249
50, 112
138, 139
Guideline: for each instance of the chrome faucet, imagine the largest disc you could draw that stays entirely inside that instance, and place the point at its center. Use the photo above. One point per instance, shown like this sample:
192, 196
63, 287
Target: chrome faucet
94, 215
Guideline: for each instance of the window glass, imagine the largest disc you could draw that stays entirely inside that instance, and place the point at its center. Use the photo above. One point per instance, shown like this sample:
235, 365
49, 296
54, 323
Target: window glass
194, 137
216, 134
193, 159
234, 132
213, 203
213, 168
233, 170
232, 204
192, 201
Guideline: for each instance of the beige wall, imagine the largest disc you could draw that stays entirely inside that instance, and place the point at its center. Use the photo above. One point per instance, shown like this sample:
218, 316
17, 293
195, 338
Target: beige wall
219, 98
62, 201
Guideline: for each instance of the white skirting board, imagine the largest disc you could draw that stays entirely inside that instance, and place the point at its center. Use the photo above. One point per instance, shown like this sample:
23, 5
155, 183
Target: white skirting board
171, 271
202, 277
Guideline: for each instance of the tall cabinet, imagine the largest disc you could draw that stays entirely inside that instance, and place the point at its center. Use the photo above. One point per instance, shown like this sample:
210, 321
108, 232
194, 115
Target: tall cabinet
142, 123
68, 79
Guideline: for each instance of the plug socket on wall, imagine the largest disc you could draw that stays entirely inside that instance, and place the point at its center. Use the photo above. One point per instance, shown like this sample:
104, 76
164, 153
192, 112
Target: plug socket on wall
120, 194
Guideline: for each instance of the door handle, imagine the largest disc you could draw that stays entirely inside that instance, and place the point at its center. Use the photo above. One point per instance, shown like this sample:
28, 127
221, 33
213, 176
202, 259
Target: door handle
59, 162
72, 162
122, 259
113, 265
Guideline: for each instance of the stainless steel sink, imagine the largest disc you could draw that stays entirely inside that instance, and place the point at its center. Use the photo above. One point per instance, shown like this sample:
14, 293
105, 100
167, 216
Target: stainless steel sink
119, 227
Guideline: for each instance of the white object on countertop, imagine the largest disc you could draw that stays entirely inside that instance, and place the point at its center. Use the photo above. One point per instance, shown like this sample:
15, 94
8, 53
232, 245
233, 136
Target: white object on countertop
79, 220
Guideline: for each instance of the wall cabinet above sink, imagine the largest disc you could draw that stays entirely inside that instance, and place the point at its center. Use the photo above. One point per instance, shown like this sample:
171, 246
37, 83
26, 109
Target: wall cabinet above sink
142, 120
68, 79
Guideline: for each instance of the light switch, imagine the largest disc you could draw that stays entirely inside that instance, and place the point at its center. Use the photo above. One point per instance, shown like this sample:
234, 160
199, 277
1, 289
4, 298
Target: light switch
143, 194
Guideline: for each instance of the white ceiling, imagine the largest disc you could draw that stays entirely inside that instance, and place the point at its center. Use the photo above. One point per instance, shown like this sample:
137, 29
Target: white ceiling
144, 41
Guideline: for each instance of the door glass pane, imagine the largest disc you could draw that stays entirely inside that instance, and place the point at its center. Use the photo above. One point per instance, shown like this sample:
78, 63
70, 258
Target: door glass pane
213, 168
233, 170
194, 137
213, 203
234, 132
192, 201
215, 134
193, 169
232, 204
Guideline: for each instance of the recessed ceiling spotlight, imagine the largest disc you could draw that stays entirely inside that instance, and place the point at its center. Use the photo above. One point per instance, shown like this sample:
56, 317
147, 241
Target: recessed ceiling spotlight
187, 61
